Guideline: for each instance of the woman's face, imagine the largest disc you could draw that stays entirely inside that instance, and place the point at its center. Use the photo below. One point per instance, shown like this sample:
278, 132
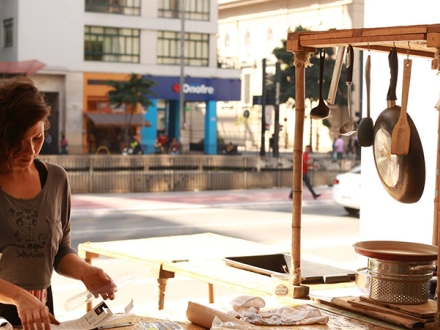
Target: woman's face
33, 141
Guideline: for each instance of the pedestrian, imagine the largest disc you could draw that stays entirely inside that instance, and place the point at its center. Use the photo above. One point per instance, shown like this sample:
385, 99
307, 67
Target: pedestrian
64, 145
339, 145
174, 147
158, 147
306, 163
271, 143
34, 215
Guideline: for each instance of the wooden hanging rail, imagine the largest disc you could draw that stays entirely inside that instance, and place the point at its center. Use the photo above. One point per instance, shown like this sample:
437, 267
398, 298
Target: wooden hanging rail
417, 40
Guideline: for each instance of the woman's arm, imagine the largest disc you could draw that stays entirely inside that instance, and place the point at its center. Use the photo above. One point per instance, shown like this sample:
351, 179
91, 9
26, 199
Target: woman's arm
94, 278
30, 310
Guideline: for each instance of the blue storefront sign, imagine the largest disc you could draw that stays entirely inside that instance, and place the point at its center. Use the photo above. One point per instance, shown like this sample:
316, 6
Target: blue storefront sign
209, 90
196, 89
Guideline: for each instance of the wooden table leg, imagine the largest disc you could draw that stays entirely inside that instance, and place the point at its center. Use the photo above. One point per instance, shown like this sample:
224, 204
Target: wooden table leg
162, 277
211, 293
162, 284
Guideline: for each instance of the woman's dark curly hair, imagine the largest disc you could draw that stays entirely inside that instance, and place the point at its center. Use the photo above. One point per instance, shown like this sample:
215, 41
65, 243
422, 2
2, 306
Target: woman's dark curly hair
22, 106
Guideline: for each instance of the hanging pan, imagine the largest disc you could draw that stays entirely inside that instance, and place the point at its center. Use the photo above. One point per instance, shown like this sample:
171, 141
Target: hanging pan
403, 176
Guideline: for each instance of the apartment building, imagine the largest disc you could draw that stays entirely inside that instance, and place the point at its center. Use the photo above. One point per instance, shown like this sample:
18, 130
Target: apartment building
70, 48
249, 31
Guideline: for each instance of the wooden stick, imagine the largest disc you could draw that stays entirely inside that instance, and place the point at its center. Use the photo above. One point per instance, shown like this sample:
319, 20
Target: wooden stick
297, 183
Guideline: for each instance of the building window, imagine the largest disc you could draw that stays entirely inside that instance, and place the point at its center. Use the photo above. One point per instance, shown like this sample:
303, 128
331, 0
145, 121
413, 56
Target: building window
197, 10
196, 48
247, 38
7, 35
111, 44
269, 36
124, 7
227, 42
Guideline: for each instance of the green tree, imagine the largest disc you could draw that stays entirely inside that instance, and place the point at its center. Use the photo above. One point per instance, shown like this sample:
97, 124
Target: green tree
287, 85
132, 92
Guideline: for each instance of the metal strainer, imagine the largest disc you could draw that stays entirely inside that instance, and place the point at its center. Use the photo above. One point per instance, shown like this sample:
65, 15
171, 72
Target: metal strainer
400, 282
408, 290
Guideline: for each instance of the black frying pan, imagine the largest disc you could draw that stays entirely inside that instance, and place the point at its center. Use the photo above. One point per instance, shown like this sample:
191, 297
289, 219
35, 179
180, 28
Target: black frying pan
403, 176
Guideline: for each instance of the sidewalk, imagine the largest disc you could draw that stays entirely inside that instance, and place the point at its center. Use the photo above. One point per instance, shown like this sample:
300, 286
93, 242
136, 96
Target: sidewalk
189, 199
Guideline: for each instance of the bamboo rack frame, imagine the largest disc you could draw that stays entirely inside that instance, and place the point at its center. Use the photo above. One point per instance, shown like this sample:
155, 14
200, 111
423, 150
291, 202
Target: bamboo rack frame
416, 40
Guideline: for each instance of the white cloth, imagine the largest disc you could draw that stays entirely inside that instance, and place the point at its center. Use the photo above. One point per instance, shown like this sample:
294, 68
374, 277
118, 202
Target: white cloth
248, 308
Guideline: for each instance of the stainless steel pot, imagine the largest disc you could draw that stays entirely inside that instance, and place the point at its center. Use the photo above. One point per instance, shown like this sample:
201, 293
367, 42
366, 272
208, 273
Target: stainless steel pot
399, 282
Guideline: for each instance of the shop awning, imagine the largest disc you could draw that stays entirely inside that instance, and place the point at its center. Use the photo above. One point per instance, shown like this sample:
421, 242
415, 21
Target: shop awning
22, 67
116, 119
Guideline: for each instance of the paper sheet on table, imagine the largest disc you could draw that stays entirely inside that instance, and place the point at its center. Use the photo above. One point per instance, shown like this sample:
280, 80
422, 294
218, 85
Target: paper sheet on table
329, 294
97, 316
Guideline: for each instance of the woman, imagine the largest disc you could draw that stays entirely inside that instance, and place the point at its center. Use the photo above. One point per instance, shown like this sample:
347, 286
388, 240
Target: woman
34, 214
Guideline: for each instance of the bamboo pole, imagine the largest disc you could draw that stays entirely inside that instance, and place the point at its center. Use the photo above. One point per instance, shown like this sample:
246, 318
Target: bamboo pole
301, 61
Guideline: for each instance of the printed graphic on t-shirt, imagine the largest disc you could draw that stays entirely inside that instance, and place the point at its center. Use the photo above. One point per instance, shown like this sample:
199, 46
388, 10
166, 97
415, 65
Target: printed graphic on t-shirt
28, 241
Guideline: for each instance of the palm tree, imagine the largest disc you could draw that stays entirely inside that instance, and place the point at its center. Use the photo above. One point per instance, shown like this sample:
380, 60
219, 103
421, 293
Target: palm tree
131, 93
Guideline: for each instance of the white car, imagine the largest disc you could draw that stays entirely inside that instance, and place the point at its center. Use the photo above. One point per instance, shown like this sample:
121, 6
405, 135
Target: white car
347, 190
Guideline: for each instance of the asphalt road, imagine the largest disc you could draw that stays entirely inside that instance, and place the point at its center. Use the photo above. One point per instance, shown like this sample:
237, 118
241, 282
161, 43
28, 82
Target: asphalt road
264, 216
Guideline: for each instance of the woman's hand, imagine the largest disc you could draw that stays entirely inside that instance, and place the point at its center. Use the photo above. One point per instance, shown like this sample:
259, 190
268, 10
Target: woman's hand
33, 312
99, 283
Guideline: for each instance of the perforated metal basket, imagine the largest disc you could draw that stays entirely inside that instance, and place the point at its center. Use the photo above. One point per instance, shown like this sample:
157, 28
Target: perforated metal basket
400, 290
400, 282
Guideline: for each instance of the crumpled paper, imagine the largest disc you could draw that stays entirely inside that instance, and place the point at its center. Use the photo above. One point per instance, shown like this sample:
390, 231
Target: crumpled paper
248, 308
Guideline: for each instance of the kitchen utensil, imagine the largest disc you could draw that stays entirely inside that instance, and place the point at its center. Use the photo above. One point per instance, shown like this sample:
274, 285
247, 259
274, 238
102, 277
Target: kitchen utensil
321, 111
349, 127
397, 250
402, 132
366, 127
400, 282
403, 176
336, 75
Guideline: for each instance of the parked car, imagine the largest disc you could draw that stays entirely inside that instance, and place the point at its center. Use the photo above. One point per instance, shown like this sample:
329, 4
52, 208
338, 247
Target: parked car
346, 190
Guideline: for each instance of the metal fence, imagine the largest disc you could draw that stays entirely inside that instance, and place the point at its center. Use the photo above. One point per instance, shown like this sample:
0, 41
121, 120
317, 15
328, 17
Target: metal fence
159, 173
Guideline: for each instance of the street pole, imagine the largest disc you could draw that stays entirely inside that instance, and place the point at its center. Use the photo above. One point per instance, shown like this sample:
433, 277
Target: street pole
182, 58
263, 110
277, 109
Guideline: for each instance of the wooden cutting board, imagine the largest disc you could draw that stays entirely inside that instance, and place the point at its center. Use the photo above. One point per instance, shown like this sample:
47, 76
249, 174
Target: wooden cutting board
425, 310
402, 320
361, 304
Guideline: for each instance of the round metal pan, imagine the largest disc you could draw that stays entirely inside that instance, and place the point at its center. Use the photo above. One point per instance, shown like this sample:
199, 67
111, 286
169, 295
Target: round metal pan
396, 250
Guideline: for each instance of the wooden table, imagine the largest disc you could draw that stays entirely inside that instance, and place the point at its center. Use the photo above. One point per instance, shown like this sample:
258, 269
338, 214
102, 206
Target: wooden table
173, 250
200, 257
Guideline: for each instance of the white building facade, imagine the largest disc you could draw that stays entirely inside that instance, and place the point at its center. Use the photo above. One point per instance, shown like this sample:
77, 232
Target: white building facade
84, 43
250, 30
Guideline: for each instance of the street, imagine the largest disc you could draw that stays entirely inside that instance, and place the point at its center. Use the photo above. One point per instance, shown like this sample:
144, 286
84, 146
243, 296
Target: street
264, 216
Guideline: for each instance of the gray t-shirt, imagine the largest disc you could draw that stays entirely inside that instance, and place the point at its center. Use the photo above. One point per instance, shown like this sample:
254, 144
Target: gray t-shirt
35, 233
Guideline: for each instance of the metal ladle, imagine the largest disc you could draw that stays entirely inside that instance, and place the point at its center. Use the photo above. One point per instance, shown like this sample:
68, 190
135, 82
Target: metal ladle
321, 111
349, 127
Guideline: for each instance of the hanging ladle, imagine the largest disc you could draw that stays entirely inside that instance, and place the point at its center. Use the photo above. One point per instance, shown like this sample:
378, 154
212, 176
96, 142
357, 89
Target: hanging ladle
349, 127
321, 111
366, 127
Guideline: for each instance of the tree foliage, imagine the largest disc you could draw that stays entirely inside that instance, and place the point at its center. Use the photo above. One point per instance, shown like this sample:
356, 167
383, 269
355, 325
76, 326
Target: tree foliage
287, 85
131, 92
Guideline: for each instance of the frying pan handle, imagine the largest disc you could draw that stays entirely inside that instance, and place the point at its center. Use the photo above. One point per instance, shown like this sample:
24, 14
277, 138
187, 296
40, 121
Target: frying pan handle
392, 60
349, 65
